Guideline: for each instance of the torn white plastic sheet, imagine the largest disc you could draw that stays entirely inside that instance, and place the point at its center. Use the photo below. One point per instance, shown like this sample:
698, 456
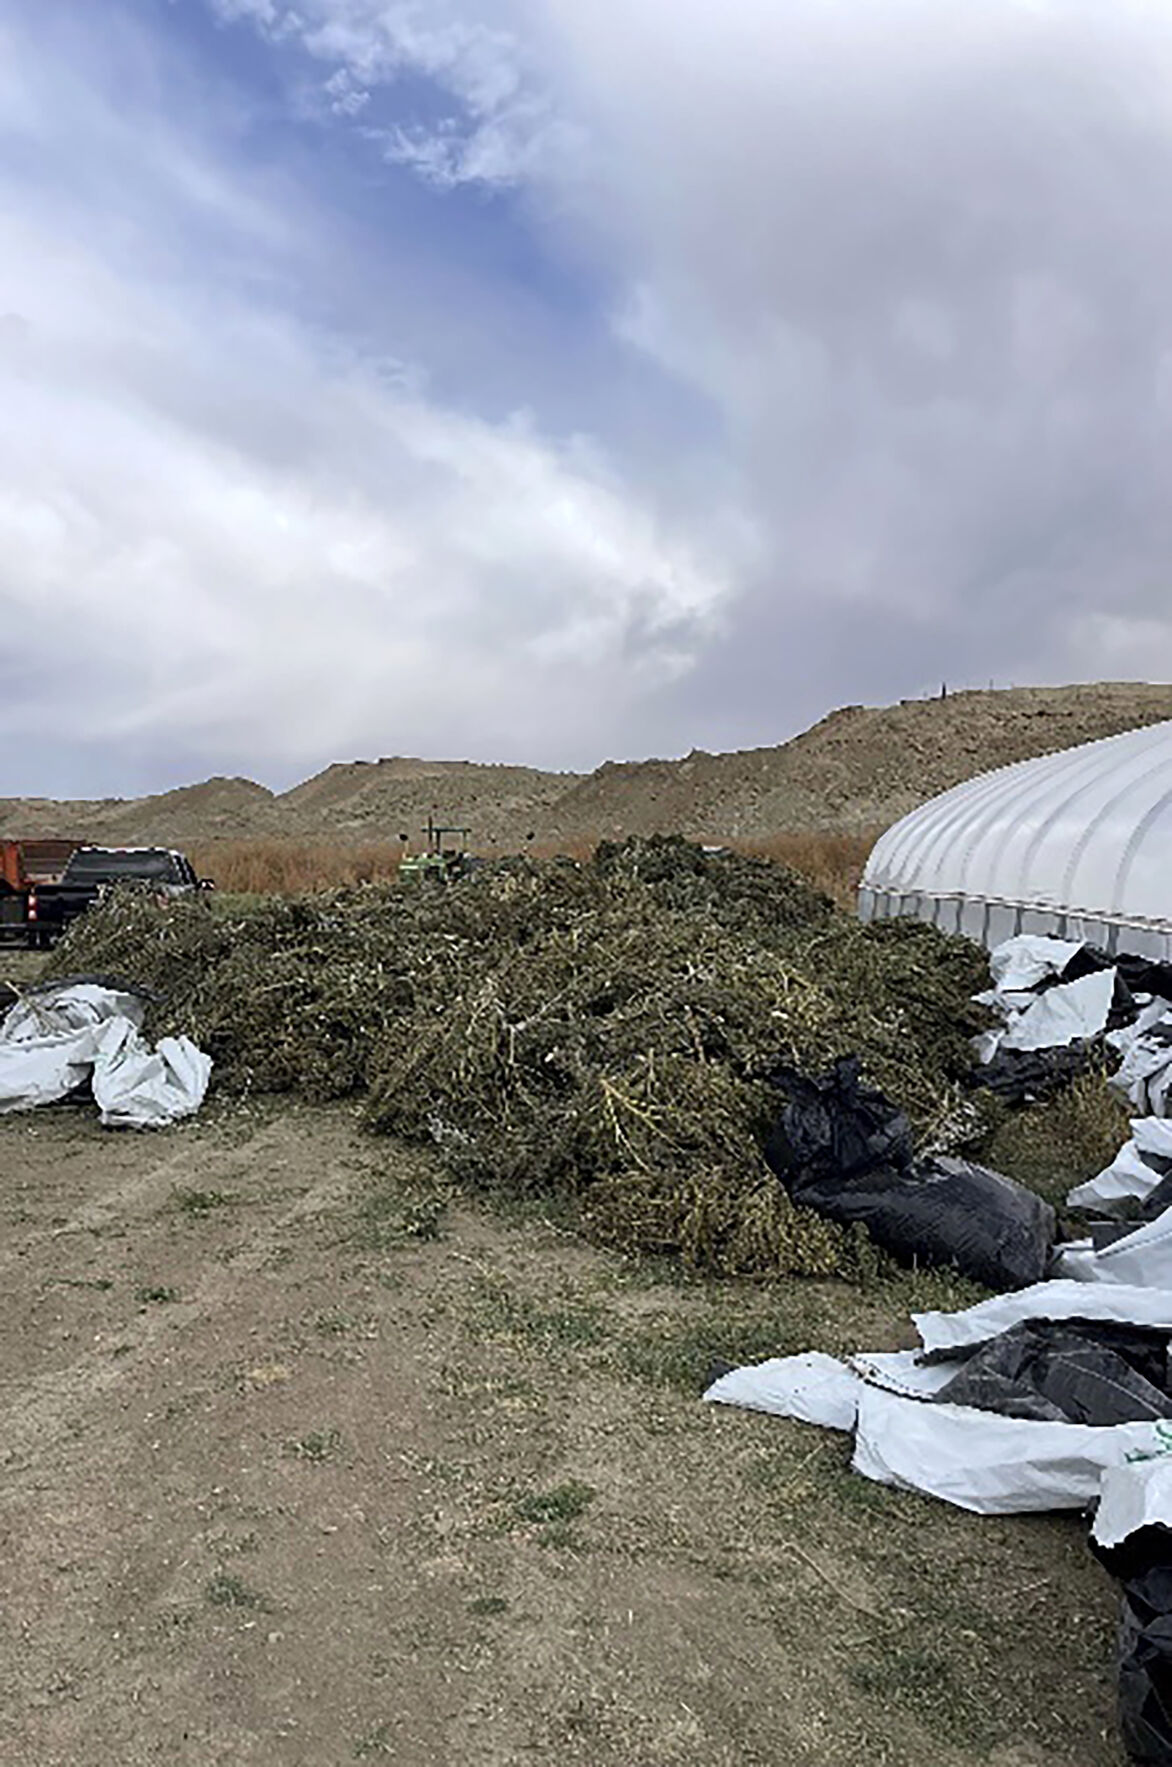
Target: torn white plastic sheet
74, 1006
976, 1460
814, 1388
1137, 1495
1068, 1013
138, 1087
40, 1070
54, 1040
1145, 1074
1023, 964
1058, 1300
1140, 1165
1141, 1259
48, 1040
1006, 1006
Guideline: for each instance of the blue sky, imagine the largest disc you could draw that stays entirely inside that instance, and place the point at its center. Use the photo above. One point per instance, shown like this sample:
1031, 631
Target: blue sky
526, 381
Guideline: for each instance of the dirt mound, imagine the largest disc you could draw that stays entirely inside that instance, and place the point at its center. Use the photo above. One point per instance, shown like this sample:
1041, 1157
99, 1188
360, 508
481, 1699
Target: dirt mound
358, 799
218, 808
355, 801
856, 772
597, 1034
214, 809
861, 768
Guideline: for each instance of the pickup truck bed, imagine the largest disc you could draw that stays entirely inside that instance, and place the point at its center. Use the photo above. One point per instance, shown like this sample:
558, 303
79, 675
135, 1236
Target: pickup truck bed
25, 868
52, 904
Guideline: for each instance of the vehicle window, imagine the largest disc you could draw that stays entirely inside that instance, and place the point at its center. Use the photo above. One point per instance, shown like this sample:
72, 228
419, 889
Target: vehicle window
153, 867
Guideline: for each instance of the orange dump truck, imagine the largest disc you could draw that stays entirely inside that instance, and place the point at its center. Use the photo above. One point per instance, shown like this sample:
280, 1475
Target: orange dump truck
25, 867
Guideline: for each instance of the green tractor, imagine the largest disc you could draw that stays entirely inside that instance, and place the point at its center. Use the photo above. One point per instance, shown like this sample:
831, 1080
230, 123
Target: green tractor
438, 863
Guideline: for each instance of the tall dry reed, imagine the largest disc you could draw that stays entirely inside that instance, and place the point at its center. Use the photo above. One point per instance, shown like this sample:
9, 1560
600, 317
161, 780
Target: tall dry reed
832, 862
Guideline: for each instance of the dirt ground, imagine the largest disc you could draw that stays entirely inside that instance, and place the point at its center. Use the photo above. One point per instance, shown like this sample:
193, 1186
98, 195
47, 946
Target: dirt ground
305, 1460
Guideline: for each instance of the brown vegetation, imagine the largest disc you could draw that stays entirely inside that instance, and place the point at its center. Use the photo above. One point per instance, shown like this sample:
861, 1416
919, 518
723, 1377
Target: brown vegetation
276, 867
290, 868
833, 863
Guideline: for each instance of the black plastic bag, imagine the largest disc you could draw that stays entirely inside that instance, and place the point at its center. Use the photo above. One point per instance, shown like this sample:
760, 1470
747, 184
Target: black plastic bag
836, 1126
1060, 1371
1026, 1076
1143, 1563
843, 1149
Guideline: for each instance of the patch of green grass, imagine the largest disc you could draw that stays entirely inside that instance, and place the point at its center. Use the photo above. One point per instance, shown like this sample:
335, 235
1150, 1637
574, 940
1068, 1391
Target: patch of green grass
317, 1446
572, 1325
555, 1512
102, 1283
377, 1741
1052, 1147
226, 1590
925, 1682
680, 1354
155, 1295
333, 1325
393, 1215
488, 1606
736, 1323
198, 1203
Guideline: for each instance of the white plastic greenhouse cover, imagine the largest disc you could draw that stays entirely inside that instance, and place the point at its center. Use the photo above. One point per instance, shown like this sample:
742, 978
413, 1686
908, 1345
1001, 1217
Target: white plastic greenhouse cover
1078, 845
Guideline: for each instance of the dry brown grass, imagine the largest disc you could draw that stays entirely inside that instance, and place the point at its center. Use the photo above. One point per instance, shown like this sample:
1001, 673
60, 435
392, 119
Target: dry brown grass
832, 862
274, 867
287, 868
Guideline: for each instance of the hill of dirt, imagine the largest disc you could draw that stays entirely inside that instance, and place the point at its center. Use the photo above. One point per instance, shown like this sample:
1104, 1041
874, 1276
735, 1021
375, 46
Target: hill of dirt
350, 801
216, 809
381, 799
860, 769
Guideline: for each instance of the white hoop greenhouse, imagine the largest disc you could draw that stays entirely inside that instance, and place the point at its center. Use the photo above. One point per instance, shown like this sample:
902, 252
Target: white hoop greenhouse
1078, 845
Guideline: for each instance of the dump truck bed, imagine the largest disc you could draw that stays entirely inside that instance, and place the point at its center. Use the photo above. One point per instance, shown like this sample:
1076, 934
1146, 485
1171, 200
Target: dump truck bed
34, 861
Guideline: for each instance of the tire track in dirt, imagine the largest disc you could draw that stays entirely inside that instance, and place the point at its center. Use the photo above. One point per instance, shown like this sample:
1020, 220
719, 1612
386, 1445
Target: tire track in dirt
142, 1193
35, 1415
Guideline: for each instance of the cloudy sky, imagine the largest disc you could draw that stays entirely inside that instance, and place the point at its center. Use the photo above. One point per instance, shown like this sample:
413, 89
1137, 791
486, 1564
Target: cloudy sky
547, 380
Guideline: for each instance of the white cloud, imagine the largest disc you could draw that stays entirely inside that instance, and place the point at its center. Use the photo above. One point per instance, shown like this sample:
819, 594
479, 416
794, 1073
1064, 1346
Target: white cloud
911, 254
256, 539
500, 128
896, 267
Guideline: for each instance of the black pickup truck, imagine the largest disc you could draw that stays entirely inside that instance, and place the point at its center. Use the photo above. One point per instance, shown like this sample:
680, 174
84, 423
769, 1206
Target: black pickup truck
92, 871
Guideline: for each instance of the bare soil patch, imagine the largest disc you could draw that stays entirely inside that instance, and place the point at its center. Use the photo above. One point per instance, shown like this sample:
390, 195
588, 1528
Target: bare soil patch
304, 1462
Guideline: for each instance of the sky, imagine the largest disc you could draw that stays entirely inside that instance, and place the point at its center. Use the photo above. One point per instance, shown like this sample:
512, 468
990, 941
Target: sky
541, 381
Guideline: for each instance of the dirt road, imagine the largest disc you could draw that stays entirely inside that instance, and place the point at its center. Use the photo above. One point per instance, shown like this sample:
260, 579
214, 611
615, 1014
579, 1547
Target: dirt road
302, 1462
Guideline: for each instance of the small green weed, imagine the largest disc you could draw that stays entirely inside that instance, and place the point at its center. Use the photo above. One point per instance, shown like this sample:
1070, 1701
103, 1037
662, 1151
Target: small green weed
556, 1511
565, 1503
391, 1217
198, 1203
488, 1606
155, 1295
923, 1682
379, 1741
225, 1590
317, 1446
